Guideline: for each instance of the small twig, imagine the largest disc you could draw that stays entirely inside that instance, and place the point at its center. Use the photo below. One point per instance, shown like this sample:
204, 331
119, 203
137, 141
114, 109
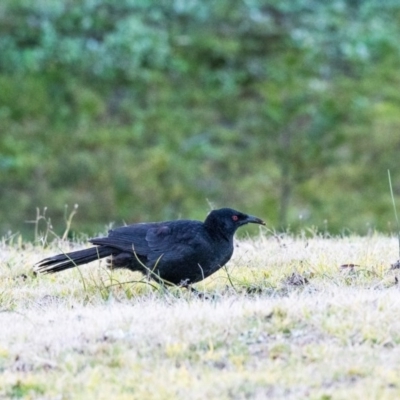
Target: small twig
229, 279
42, 237
68, 220
394, 208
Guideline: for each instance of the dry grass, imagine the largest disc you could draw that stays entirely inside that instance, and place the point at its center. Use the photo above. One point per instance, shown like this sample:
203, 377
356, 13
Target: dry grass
286, 323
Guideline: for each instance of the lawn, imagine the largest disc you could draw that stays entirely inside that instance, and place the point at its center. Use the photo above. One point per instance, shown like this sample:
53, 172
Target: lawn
289, 318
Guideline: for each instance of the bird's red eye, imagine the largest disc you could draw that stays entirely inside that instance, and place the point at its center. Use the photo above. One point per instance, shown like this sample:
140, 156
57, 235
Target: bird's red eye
235, 217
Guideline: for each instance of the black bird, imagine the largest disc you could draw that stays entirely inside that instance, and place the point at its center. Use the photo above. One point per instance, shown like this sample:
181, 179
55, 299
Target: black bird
175, 252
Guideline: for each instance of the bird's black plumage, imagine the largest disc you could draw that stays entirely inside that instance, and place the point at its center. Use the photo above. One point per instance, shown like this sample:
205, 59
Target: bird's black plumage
177, 252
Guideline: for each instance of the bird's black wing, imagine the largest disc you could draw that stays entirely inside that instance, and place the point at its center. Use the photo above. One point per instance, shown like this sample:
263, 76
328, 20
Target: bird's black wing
174, 242
130, 238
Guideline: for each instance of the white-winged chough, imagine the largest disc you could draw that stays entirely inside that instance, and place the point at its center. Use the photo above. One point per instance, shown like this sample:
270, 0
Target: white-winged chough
179, 252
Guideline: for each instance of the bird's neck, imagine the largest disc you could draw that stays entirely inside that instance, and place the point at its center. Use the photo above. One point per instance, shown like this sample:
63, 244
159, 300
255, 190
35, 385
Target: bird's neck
218, 231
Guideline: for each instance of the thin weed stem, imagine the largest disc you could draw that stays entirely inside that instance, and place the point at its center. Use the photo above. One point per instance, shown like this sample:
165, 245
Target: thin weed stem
394, 208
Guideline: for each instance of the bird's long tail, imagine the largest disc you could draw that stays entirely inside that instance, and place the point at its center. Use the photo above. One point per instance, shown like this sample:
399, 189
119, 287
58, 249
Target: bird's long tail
65, 261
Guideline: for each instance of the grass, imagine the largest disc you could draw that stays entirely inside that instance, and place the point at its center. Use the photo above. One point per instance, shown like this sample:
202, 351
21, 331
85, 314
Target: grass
285, 321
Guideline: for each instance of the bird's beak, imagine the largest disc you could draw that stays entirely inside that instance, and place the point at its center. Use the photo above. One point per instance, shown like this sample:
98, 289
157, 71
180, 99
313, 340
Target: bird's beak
254, 220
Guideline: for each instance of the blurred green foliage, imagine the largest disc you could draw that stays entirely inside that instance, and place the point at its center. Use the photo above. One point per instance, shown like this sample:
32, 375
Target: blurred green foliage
146, 109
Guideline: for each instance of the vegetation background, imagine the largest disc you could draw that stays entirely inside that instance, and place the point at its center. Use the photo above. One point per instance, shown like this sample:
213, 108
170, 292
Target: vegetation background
146, 110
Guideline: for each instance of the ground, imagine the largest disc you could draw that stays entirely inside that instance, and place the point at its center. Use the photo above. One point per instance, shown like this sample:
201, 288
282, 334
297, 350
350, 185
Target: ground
308, 317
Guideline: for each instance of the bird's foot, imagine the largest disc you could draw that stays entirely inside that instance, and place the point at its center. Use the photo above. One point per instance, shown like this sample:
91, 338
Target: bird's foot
201, 295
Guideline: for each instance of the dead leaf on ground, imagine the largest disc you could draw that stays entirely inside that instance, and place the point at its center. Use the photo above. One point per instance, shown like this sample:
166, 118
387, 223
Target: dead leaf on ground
351, 265
396, 265
296, 280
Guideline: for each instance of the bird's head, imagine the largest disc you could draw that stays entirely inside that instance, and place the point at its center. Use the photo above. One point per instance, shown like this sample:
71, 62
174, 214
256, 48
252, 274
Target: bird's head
228, 220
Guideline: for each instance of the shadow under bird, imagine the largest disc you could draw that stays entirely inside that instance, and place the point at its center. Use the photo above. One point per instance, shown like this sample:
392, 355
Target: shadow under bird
179, 252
